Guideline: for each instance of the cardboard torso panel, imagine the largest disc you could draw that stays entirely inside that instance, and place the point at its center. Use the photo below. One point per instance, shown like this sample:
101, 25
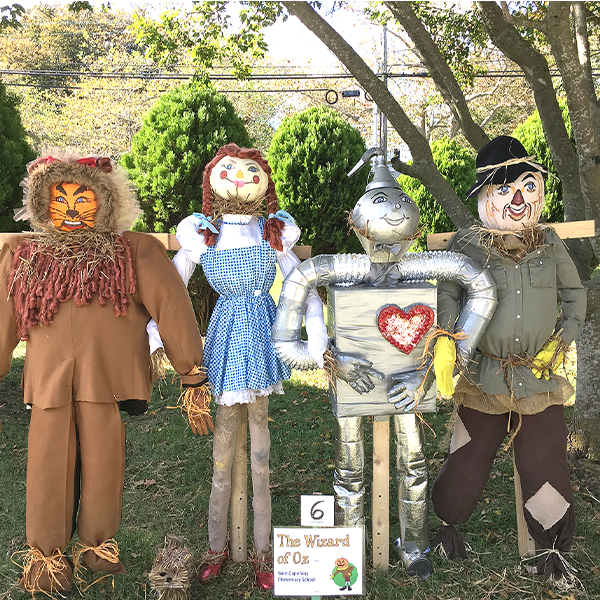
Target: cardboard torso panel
353, 325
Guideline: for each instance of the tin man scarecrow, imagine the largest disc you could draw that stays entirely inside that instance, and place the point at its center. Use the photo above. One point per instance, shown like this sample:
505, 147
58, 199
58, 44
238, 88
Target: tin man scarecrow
380, 312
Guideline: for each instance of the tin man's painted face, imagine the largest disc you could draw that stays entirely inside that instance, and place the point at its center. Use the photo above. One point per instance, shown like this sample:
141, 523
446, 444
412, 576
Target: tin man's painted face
241, 178
386, 215
512, 206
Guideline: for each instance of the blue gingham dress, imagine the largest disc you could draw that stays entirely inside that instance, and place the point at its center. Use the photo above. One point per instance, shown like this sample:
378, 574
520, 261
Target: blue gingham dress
238, 354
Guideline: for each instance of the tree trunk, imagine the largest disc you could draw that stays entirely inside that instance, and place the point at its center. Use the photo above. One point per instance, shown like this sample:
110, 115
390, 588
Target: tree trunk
535, 67
587, 406
579, 103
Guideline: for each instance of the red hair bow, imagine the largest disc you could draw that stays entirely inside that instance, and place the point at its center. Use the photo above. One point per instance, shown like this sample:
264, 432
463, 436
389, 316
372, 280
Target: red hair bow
102, 163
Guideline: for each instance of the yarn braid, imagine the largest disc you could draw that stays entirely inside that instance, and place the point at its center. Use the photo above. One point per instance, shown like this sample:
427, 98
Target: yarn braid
42, 276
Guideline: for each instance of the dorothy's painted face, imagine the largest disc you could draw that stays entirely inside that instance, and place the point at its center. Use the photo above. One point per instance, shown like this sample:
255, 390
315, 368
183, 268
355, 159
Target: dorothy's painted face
512, 206
72, 206
239, 178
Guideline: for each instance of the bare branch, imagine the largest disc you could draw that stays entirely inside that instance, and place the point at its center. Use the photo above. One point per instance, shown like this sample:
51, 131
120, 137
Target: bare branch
403, 167
491, 92
493, 112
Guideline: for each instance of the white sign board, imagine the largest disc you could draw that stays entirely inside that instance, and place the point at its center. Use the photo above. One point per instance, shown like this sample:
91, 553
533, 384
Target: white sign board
326, 561
316, 511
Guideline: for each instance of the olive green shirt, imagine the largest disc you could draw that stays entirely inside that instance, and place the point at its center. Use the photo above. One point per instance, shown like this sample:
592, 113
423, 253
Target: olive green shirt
528, 292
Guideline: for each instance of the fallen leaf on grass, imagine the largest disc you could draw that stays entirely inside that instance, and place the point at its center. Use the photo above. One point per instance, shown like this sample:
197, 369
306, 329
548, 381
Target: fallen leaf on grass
144, 482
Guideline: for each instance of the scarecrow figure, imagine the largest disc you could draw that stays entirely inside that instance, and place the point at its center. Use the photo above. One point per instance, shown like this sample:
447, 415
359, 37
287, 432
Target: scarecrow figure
238, 250
80, 291
386, 221
511, 384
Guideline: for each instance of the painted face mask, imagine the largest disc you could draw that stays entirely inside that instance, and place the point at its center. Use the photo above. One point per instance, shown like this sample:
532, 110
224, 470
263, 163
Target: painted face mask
512, 206
72, 206
239, 178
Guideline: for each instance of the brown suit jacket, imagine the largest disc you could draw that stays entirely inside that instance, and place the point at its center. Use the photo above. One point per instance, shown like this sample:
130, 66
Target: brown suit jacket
88, 354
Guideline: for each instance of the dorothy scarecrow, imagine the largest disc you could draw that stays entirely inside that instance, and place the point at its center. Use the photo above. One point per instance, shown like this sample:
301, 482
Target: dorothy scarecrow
80, 292
511, 385
238, 250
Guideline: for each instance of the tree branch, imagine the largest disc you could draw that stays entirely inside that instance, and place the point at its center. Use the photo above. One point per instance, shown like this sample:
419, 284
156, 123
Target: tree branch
521, 21
423, 167
484, 94
493, 112
439, 70
403, 167
591, 16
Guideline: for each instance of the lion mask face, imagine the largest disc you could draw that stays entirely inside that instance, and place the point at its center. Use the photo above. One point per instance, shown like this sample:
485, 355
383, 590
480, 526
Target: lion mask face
72, 206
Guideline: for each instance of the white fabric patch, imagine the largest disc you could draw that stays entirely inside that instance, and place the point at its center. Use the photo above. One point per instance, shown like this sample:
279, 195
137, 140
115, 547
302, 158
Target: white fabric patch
547, 506
460, 435
247, 396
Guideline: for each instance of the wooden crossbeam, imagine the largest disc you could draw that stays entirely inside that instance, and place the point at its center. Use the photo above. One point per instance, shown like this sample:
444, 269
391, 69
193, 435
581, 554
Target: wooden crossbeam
568, 230
169, 241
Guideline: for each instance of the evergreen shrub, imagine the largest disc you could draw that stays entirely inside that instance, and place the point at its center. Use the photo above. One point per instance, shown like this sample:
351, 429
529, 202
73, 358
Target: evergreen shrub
310, 155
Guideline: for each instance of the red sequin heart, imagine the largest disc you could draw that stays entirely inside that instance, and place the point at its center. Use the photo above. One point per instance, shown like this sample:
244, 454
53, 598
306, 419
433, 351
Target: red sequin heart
404, 329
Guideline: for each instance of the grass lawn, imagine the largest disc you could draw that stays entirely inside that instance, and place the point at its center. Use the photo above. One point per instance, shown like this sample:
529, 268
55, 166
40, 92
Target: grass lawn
167, 485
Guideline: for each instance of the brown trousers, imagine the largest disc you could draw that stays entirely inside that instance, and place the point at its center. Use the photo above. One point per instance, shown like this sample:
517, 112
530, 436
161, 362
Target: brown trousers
52, 452
540, 449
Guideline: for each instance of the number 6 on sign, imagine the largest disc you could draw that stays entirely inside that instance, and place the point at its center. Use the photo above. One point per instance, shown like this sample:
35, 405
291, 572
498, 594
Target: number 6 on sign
316, 511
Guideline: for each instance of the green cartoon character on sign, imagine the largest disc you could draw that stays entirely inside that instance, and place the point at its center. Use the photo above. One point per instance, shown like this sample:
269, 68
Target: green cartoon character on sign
345, 574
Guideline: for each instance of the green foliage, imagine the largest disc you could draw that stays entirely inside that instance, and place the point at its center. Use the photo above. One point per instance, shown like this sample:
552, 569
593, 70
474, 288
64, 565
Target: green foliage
11, 18
457, 164
531, 135
457, 34
55, 38
15, 153
79, 6
310, 154
206, 33
181, 133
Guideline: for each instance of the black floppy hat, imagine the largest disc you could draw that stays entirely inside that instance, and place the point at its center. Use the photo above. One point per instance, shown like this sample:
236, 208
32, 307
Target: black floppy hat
502, 156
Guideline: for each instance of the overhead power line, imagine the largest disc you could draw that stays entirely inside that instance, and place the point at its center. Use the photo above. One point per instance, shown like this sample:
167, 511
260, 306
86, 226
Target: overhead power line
228, 77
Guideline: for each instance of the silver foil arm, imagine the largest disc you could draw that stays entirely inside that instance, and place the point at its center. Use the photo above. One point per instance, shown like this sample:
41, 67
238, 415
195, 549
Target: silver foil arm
322, 270
478, 284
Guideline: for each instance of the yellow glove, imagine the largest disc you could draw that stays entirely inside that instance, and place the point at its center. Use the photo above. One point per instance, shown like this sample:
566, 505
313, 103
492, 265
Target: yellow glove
444, 357
543, 357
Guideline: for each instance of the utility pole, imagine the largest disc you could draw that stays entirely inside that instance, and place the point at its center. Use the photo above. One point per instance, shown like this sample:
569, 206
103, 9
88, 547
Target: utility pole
379, 135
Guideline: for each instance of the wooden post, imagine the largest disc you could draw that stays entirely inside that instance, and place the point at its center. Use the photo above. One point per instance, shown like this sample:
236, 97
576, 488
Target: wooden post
381, 492
524, 540
239, 492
